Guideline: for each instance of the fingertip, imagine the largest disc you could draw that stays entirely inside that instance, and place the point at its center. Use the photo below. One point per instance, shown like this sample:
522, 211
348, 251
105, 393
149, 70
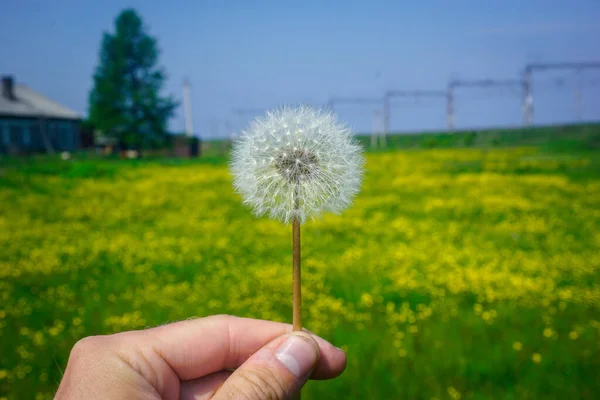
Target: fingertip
342, 361
332, 361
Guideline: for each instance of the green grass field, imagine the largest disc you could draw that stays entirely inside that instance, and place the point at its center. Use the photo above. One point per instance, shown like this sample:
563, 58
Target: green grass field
470, 272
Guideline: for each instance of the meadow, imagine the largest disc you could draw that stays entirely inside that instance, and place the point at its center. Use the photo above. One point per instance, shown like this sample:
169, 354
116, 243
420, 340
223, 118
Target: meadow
456, 274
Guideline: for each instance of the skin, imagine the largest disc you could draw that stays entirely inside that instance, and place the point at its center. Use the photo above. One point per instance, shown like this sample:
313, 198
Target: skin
217, 357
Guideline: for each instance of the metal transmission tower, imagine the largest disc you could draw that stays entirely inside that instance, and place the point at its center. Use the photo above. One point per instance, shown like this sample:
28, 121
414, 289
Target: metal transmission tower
415, 94
333, 101
474, 83
527, 78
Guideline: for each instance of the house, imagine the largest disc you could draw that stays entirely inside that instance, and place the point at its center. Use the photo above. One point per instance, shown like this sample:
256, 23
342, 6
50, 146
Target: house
31, 122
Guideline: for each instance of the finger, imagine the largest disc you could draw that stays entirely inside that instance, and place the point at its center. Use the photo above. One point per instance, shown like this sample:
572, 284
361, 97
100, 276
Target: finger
200, 347
203, 388
277, 371
332, 359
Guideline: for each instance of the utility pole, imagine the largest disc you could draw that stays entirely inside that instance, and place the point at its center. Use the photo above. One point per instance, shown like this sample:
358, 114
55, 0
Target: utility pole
578, 66
450, 107
386, 114
452, 85
527, 98
415, 94
376, 131
187, 100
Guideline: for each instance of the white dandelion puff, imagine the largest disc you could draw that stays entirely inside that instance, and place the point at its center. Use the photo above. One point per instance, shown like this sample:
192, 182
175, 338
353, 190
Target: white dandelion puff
297, 163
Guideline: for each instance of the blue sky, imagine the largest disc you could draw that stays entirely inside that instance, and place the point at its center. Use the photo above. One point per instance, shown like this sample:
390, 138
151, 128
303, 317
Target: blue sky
260, 54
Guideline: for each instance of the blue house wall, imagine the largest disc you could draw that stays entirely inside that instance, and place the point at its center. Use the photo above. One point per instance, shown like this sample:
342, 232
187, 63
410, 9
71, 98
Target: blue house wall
25, 134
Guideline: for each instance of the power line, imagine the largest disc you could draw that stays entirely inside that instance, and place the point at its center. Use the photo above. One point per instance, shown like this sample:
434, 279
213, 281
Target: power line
333, 101
532, 67
522, 88
376, 136
484, 83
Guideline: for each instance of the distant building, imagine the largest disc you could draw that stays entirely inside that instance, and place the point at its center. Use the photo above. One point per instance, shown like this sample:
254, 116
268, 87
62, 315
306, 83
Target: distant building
31, 122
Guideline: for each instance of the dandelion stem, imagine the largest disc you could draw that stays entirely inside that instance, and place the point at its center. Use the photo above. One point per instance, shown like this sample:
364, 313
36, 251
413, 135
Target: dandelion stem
296, 275
297, 285
297, 306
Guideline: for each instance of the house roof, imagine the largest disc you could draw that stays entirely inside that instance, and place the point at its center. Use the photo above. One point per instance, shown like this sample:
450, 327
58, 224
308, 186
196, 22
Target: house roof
29, 103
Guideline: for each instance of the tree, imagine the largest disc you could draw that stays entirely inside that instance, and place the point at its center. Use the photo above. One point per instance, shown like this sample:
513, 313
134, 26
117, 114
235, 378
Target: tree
125, 102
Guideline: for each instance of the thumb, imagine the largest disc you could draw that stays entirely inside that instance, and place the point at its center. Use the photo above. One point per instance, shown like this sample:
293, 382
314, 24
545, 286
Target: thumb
277, 371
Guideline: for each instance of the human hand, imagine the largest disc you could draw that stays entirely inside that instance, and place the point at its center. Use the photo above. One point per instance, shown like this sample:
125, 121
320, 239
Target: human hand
219, 357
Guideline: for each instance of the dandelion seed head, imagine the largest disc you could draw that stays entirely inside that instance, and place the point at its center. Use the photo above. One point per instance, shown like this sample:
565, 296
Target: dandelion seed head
319, 170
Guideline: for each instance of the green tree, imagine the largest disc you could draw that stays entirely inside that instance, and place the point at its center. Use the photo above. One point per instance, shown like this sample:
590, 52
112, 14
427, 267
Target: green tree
125, 102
